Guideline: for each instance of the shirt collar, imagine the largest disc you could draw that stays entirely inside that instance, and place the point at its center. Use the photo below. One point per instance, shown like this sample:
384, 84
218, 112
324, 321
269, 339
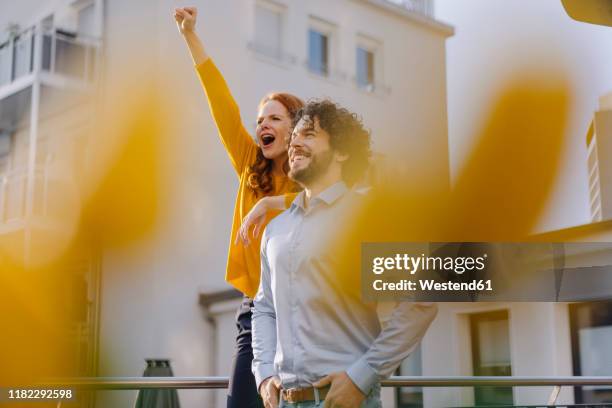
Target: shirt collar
330, 195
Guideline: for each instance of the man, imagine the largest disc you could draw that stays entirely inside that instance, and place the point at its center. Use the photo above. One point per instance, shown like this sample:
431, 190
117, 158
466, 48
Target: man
314, 341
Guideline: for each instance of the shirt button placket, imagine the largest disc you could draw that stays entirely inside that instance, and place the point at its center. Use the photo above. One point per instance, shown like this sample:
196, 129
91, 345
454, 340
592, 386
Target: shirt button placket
293, 290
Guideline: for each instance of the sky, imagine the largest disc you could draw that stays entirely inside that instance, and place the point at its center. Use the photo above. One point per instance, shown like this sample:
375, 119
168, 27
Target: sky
494, 40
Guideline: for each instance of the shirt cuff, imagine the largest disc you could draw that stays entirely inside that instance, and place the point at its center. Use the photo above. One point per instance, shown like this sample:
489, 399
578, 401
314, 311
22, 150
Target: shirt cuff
261, 372
362, 375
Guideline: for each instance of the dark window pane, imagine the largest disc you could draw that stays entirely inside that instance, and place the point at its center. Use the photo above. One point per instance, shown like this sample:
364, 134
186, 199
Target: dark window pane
22, 55
591, 335
318, 52
365, 67
491, 355
6, 68
46, 54
411, 397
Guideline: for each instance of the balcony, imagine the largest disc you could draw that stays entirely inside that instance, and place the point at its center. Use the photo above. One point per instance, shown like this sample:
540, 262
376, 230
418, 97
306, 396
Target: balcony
47, 209
424, 7
61, 58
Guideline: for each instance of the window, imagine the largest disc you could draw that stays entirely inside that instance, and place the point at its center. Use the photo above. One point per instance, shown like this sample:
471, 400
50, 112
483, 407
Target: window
368, 64
411, 397
268, 29
321, 46
23, 54
491, 355
318, 52
591, 336
86, 20
47, 43
365, 68
6, 62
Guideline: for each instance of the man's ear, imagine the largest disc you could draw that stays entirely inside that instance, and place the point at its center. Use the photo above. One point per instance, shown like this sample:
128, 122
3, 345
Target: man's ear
341, 157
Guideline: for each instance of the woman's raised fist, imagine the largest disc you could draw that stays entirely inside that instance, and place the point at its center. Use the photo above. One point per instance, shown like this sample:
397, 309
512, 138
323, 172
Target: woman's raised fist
185, 18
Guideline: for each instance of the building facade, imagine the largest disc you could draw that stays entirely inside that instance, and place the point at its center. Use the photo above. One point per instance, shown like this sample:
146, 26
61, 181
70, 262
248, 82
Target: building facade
600, 172
383, 59
49, 68
166, 297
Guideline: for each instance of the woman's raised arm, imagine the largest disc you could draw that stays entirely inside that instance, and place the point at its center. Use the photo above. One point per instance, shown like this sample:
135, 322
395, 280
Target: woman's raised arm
239, 144
185, 21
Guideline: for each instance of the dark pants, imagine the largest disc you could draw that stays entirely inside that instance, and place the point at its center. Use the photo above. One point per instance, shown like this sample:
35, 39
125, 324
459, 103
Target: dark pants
242, 388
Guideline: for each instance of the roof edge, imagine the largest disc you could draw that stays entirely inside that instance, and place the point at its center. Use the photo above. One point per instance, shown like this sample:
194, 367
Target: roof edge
442, 28
574, 232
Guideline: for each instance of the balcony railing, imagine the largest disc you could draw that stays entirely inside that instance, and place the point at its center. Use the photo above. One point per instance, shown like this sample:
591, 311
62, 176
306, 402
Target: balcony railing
137, 383
13, 186
61, 52
70, 55
13, 193
424, 7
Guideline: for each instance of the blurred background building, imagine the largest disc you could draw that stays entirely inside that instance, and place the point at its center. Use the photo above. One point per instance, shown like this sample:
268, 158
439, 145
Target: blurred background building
166, 297
49, 68
600, 172
495, 43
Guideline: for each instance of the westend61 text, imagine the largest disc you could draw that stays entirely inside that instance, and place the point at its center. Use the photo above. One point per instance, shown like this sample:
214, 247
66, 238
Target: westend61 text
429, 285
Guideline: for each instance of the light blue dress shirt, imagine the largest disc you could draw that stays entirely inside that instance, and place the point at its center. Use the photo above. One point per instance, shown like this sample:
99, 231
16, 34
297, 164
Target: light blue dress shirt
305, 325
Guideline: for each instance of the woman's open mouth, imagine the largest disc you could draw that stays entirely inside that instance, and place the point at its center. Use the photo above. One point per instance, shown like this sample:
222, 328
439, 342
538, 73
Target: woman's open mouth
267, 139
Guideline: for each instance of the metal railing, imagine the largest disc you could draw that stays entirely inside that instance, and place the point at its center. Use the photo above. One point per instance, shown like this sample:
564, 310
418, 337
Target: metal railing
138, 383
424, 7
68, 54
13, 192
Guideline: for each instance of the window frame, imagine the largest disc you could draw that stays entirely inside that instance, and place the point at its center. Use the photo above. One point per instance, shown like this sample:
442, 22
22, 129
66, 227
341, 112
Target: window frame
473, 319
329, 30
574, 310
281, 10
374, 46
418, 390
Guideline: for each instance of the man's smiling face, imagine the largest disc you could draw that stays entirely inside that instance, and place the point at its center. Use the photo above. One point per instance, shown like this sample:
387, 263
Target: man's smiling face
310, 153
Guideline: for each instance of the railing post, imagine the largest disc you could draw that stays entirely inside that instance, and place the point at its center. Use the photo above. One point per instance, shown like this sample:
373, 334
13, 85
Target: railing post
33, 139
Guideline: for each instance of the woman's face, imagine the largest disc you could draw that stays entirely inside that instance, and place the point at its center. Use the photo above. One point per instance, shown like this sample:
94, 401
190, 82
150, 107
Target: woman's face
273, 129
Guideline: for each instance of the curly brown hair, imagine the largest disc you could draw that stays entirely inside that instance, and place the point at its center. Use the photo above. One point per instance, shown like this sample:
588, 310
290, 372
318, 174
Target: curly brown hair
259, 174
347, 135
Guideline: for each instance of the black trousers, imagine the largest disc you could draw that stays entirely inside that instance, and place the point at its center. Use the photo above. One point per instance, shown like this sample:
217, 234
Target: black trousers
242, 388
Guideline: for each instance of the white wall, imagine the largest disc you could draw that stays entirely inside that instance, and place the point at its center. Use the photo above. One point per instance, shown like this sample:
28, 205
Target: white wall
496, 38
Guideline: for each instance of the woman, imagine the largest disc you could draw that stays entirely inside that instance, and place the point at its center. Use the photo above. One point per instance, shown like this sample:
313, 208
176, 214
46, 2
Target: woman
262, 171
